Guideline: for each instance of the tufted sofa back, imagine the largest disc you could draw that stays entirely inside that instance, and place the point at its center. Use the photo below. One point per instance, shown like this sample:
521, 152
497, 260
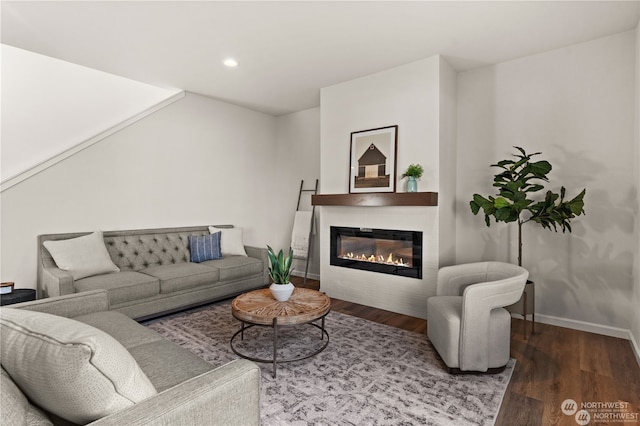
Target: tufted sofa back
136, 252
138, 249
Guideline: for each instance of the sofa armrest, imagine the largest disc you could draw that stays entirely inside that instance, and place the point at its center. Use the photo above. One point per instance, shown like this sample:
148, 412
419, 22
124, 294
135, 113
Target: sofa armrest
228, 395
55, 281
71, 305
257, 252
260, 253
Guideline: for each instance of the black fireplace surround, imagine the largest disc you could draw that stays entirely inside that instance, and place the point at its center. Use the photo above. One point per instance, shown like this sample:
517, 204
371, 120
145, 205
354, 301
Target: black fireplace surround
387, 251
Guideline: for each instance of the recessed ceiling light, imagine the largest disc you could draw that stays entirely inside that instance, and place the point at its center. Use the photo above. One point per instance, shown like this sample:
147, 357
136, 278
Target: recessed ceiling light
230, 62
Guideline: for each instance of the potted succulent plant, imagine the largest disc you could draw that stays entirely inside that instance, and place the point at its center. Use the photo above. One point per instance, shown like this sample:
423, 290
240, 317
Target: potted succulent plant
280, 273
413, 172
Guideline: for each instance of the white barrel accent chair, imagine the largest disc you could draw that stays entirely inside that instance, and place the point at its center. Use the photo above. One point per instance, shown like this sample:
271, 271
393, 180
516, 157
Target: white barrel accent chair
466, 320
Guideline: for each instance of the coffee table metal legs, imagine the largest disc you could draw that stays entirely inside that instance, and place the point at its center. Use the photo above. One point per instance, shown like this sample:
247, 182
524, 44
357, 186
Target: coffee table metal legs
275, 360
275, 346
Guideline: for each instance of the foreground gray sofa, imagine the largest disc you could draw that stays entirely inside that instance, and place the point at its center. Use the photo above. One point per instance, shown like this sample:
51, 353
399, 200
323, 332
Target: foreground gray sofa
190, 391
156, 275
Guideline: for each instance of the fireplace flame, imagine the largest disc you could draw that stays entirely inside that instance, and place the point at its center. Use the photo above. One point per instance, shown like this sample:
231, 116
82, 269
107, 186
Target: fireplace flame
389, 260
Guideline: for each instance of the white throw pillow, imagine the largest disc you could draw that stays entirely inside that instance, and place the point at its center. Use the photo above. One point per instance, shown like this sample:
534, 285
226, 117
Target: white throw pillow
82, 256
231, 241
69, 368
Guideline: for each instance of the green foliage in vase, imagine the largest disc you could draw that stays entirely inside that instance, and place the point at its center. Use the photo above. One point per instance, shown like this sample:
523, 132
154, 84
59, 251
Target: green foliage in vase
414, 170
517, 182
280, 266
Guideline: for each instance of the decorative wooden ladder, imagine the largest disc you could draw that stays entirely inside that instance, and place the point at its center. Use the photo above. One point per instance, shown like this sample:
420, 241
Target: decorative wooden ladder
314, 191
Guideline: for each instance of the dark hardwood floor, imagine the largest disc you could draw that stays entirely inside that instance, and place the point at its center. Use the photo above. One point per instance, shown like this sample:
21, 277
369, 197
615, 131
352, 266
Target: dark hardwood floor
553, 364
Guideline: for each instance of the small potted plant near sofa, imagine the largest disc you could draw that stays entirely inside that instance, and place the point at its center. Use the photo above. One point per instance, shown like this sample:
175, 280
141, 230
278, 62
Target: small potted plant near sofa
413, 172
280, 273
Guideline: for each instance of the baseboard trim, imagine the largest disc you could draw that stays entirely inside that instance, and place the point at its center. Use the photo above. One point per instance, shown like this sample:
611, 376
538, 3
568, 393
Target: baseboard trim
635, 347
44, 165
590, 327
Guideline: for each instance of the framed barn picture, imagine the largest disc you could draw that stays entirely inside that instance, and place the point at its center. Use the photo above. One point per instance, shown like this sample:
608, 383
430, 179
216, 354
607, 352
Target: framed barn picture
373, 160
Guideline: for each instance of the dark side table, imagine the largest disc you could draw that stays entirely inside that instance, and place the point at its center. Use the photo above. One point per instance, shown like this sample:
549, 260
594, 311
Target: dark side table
17, 296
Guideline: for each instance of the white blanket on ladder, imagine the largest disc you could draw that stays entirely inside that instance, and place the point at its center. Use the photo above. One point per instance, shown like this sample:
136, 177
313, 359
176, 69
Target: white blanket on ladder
300, 234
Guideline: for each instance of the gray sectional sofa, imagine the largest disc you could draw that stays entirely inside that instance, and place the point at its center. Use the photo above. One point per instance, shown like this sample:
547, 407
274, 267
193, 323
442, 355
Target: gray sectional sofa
155, 274
74, 367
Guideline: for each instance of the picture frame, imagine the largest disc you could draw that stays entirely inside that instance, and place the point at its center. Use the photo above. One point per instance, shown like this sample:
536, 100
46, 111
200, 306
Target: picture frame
372, 160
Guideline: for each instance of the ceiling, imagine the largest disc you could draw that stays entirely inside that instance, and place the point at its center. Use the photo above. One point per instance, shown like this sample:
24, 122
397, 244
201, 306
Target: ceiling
287, 51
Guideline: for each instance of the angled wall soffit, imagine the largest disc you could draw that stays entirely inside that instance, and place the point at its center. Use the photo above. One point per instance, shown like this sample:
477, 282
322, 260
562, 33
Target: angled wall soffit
43, 165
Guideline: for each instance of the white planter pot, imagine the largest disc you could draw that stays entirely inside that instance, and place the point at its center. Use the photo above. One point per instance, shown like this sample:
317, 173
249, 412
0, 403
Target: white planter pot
281, 292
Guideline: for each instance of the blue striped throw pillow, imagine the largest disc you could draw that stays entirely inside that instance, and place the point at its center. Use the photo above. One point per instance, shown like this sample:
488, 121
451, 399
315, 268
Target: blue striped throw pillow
205, 247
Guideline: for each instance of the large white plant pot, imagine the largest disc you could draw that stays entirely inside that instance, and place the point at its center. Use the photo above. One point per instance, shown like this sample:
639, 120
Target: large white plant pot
281, 292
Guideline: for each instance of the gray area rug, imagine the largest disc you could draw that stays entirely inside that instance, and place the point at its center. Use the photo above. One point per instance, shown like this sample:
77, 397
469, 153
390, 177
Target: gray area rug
369, 374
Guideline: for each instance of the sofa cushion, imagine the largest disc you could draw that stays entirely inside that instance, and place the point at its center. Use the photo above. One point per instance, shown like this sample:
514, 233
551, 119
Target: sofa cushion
182, 276
122, 287
443, 326
205, 247
119, 326
16, 409
231, 241
167, 364
151, 351
82, 256
236, 267
71, 369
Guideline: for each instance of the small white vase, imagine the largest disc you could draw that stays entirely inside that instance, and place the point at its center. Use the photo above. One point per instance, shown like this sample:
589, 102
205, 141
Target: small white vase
281, 292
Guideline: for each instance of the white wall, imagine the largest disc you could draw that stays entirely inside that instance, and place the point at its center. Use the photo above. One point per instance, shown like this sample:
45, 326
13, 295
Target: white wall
408, 96
196, 162
53, 105
576, 105
635, 326
298, 136
447, 164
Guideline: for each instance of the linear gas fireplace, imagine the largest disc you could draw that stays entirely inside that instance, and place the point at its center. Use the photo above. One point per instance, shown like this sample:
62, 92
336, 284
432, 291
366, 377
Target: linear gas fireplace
386, 251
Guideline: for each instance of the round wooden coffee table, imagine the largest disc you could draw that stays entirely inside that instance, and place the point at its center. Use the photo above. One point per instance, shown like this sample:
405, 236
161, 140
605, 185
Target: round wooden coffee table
259, 308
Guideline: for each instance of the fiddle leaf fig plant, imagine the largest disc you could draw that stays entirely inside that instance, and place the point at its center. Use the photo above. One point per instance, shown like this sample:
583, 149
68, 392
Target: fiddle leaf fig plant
280, 266
517, 183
